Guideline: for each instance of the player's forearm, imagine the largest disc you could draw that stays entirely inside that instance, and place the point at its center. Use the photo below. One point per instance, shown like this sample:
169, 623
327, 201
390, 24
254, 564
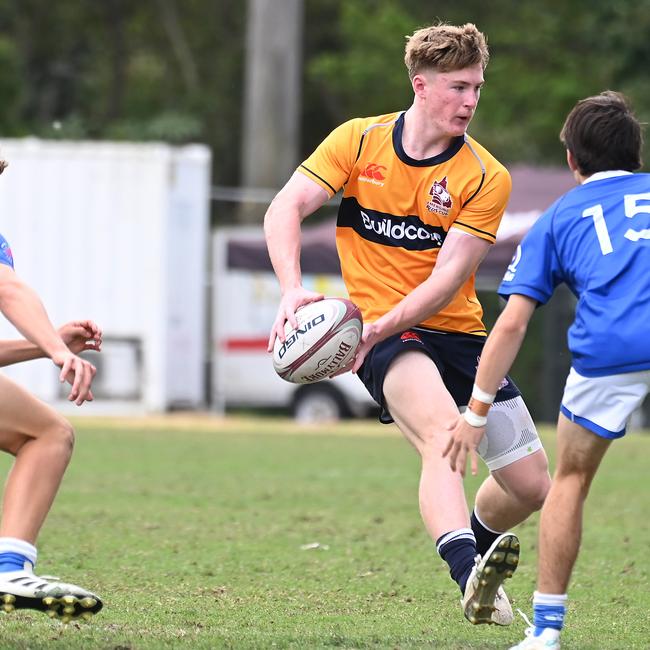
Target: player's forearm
503, 344
425, 300
282, 232
16, 351
497, 358
23, 308
458, 258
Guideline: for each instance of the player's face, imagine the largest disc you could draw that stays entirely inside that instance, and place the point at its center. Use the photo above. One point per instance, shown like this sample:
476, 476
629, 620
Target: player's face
451, 98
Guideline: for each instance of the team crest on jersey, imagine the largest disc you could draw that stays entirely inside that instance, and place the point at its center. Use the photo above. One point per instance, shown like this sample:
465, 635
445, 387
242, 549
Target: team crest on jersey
440, 202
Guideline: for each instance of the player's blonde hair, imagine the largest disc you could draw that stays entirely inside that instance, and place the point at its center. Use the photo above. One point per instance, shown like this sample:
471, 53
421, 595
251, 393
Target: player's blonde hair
444, 48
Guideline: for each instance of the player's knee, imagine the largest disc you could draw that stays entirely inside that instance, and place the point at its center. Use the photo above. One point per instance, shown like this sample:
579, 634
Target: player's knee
53, 433
574, 479
532, 493
61, 433
536, 494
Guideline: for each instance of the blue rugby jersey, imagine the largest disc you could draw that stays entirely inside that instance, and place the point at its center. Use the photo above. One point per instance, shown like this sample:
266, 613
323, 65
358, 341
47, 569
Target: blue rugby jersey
5, 253
596, 240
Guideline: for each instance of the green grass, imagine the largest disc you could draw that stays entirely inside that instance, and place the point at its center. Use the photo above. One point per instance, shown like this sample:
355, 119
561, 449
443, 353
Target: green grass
194, 532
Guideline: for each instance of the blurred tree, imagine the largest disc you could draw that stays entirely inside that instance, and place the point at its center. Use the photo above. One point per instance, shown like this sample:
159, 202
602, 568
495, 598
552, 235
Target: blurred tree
368, 70
173, 70
11, 87
154, 70
542, 61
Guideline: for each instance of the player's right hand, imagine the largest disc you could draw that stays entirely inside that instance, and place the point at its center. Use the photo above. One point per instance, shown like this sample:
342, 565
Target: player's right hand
463, 441
78, 373
291, 301
80, 335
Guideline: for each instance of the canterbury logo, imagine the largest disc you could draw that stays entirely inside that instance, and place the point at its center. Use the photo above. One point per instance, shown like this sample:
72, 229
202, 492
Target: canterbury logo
374, 171
410, 336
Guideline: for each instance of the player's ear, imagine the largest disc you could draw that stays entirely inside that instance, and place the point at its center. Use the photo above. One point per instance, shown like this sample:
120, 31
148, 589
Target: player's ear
573, 166
419, 83
571, 161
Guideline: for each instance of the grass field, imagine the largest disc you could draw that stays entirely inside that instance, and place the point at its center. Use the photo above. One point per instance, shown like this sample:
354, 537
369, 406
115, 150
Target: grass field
202, 533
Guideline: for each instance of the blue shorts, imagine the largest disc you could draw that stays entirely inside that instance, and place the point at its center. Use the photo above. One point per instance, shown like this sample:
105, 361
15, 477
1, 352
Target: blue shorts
455, 355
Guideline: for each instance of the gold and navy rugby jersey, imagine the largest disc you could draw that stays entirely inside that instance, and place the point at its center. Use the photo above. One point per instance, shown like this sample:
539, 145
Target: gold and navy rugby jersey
396, 212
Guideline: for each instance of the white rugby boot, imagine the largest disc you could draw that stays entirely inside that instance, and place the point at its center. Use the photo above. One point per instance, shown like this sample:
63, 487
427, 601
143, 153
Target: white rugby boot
24, 590
549, 639
485, 601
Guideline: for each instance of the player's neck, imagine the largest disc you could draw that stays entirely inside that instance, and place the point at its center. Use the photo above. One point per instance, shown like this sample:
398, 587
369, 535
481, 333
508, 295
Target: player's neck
420, 138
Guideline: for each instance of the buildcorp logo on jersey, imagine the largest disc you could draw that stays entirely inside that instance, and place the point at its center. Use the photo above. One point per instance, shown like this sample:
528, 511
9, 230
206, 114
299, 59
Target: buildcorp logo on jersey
399, 231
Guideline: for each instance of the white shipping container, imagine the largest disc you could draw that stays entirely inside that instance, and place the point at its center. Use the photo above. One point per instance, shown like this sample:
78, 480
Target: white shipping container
115, 232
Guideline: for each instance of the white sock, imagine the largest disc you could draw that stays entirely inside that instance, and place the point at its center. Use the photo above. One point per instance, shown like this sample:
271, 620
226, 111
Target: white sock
554, 600
14, 545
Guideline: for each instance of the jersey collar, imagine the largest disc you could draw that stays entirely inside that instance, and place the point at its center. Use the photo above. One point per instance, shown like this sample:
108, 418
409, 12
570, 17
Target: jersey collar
448, 153
599, 176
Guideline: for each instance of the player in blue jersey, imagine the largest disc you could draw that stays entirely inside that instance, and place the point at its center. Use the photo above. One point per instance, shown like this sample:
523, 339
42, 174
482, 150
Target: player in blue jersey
596, 240
41, 442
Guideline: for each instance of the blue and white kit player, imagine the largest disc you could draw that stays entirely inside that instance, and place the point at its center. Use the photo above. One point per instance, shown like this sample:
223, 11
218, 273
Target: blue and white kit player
591, 239
41, 443
596, 240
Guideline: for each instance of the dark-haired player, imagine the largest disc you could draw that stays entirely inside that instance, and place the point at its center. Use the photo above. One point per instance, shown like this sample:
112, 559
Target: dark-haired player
596, 240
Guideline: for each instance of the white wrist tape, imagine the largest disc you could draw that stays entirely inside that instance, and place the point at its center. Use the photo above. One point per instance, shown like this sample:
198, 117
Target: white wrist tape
473, 419
482, 396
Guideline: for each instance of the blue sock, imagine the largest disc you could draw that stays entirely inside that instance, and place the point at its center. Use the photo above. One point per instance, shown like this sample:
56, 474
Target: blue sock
458, 550
549, 610
12, 562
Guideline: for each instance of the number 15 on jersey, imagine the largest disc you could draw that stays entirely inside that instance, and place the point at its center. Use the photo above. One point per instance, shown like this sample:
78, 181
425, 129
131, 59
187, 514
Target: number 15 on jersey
632, 208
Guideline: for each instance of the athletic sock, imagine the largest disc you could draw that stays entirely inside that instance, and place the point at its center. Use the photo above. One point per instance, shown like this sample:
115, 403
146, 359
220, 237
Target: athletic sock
484, 536
549, 610
15, 554
458, 549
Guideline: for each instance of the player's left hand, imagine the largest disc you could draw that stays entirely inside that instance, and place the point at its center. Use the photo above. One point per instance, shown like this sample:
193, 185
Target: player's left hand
364, 347
81, 335
464, 439
78, 372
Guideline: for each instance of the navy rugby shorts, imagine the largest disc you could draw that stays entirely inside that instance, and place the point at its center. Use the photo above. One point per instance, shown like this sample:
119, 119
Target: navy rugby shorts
455, 355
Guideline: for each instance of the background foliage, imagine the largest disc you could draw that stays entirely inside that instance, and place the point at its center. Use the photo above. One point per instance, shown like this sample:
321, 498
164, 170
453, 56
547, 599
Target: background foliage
171, 70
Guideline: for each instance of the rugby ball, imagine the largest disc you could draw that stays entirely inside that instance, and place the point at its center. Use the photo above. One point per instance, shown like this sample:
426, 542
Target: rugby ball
326, 339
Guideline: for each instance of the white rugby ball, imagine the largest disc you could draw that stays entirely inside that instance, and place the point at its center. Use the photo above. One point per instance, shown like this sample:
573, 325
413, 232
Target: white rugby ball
326, 339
